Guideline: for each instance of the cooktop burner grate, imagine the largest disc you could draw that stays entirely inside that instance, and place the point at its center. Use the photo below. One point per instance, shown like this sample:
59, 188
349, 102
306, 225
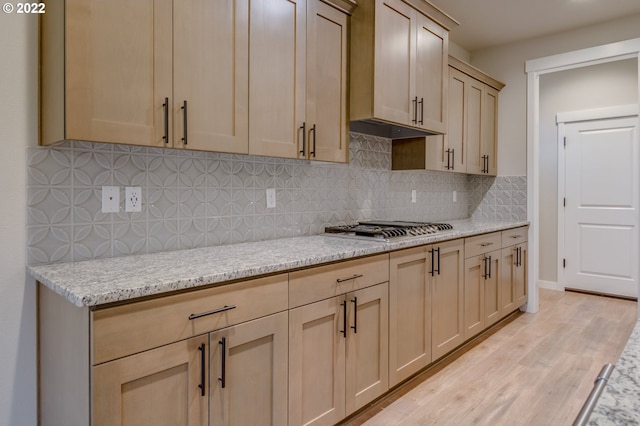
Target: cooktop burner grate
387, 230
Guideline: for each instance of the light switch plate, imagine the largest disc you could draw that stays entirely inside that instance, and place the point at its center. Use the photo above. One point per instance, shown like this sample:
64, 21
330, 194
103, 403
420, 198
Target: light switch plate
414, 196
110, 199
271, 198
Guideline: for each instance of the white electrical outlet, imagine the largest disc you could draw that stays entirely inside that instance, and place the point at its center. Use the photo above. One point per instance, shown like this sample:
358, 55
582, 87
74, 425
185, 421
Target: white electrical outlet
133, 199
110, 199
414, 196
271, 198
455, 196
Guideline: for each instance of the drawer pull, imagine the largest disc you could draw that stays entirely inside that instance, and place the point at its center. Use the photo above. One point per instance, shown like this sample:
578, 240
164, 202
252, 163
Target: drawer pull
516, 236
485, 244
215, 311
353, 277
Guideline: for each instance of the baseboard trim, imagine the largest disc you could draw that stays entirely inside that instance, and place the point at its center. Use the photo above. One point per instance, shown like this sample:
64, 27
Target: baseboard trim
551, 285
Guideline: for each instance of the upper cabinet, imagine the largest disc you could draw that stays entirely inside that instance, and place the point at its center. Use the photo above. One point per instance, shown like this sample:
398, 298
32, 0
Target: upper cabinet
162, 74
264, 78
473, 119
209, 102
399, 62
105, 74
277, 79
471, 142
326, 128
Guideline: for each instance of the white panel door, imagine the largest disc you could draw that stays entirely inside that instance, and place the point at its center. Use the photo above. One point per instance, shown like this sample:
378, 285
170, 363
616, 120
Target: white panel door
601, 213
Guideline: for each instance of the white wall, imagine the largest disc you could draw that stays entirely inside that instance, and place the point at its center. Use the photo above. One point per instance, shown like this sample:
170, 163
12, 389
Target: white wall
18, 129
507, 64
609, 84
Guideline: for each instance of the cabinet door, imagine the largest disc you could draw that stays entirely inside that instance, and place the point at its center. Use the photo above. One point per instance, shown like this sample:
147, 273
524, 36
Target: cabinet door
317, 362
394, 78
118, 70
327, 128
409, 313
367, 368
513, 285
473, 123
431, 74
211, 65
520, 276
492, 288
475, 269
249, 373
490, 129
455, 138
158, 387
277, 39
447, 290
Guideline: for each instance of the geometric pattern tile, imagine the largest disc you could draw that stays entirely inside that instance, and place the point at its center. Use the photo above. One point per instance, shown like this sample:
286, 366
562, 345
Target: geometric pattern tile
195, 199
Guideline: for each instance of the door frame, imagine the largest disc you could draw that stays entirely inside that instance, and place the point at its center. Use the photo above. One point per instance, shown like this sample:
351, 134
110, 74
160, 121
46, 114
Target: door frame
535, 68
562, 119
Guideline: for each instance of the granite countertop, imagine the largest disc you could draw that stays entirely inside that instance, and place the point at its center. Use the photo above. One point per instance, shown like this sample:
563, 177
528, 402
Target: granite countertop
96, 282
619, 403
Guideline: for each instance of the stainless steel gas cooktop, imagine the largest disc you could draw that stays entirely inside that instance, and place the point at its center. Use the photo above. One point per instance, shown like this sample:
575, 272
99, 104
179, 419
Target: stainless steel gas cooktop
383, 230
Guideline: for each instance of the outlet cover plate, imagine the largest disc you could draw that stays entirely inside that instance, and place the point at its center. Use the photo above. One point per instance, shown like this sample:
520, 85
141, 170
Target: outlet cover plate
133, 199
110, 199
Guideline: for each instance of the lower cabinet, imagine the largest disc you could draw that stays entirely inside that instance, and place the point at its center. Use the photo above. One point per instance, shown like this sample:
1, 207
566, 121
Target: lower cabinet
249, 373
220, 373
409, 313
481, 292
338, 355
447, 292
514, 278
426, 306
157, 387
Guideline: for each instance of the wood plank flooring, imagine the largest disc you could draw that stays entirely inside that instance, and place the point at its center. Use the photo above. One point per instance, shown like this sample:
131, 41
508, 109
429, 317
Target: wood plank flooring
532, 369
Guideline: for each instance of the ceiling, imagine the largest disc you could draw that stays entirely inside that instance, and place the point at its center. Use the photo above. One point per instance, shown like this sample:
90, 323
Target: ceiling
488, 23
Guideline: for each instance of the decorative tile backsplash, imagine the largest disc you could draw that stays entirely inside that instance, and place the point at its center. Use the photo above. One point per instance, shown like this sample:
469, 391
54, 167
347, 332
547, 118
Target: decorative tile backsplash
195, 199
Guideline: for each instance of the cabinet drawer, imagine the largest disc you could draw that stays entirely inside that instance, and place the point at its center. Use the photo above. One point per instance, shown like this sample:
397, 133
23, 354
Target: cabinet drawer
319, 283
515, 236
127, 329
479, 244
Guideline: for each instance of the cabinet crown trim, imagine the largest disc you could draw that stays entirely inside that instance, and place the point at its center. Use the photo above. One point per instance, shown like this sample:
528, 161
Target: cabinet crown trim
346, 6
474, 72
433, 12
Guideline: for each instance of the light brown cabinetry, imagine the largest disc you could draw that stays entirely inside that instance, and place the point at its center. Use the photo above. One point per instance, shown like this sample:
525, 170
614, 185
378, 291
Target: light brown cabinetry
474, 125
470, 144
399, 60
248, 373
409, 313
158, 361
326, 128
426, 306
514, 270
277, 79
482, 282
105, 73
447, 292
181, 383
141, 78
158, 386
180, 75
338, 346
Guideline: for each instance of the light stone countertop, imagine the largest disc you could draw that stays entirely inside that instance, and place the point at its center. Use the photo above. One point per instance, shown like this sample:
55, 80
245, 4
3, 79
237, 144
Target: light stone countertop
619, 403
96, 282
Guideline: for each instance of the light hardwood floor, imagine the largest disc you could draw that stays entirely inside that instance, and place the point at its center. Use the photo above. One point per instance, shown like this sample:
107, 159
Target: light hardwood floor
532, 369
